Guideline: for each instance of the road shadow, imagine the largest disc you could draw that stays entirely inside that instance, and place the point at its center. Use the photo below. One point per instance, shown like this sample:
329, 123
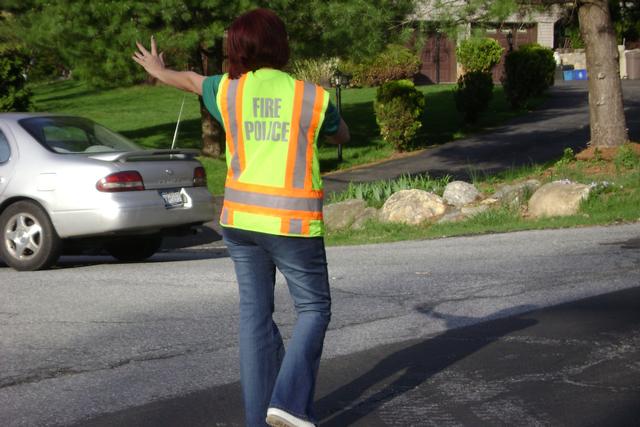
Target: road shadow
189, 254
403, 370
408, 368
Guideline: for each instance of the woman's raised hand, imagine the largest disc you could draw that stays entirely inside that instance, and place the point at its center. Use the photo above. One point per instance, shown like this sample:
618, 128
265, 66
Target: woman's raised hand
150, 61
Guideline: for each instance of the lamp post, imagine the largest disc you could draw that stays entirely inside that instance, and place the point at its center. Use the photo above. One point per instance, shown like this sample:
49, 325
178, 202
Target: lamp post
510, 40
339, 80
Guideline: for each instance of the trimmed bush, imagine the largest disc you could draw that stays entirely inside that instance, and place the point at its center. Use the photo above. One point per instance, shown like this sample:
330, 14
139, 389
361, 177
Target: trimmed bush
479, 54
396, 62
14, 96
473, 94
318, 71
399, 107
529, 71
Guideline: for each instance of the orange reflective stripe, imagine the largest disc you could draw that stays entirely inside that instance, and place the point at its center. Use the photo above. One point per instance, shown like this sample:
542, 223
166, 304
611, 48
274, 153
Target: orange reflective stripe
226, 216
275, 191
293, 137
282, 213
315, 121
239, 137
305, 227
230, 217
284, 226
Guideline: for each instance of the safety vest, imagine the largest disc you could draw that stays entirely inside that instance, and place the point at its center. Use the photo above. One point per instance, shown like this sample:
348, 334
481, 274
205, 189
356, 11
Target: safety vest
273, 182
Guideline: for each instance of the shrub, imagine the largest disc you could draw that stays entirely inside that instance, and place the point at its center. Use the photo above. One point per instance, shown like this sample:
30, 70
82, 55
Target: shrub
529, 71
626, 158
473, 94
14, 96
396, 62
399, 107
375, 193
317, 71
479, 54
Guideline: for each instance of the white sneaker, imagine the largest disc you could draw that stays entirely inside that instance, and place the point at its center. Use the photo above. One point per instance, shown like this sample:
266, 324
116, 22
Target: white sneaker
279, 418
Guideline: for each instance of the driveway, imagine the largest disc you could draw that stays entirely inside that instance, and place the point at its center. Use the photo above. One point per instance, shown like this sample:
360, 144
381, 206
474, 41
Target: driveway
536, 137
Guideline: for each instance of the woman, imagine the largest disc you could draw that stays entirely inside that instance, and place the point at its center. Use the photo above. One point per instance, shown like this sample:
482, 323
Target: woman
272, 213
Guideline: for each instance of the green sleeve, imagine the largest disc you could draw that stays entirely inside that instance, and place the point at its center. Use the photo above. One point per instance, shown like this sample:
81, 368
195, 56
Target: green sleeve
210, 87
331, 121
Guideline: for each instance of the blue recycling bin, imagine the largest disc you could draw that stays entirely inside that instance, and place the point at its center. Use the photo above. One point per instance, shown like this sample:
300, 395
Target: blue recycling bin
567, 74
580, 75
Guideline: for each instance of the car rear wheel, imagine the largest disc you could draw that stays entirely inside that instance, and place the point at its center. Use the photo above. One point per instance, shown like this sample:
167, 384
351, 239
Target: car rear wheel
29, 240
134, 249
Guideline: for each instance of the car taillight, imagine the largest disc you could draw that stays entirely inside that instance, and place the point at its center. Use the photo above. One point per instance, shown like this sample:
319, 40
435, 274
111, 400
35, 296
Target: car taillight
199, 177
121, 181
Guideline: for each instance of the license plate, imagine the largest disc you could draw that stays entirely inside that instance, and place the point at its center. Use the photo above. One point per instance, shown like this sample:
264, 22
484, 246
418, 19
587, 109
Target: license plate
172, 199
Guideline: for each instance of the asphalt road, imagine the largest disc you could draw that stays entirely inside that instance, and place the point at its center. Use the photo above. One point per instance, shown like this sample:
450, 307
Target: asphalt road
442, 332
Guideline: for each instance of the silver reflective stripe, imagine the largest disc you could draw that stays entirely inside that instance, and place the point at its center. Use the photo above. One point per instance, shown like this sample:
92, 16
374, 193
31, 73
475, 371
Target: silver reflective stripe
295, 226
225, 216
232, 91
306, 115
274, 202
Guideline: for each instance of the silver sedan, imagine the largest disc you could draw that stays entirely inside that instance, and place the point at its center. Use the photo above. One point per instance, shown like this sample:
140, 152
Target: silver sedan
67, 183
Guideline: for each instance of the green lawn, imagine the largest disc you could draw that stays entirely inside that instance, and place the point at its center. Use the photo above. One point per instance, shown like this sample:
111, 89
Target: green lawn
147, 114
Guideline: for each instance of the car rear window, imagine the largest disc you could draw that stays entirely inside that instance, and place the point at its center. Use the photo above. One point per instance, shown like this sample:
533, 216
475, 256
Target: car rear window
73, 135
5, 150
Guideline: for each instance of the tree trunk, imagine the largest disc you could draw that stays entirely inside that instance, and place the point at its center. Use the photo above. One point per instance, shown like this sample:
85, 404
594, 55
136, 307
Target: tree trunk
608, 124
213, 136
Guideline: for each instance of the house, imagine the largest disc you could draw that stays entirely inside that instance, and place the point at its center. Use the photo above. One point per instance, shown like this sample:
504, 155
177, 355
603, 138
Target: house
438, 56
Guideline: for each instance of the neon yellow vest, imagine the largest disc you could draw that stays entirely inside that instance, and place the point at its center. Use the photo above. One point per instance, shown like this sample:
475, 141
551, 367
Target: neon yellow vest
273, 180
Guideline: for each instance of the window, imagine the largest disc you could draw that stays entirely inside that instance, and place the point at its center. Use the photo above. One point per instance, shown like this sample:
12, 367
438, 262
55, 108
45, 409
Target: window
72, 135
5, 150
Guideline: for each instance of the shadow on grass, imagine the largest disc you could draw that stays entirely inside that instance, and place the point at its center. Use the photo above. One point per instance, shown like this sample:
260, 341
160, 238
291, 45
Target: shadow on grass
49, 92
189, 134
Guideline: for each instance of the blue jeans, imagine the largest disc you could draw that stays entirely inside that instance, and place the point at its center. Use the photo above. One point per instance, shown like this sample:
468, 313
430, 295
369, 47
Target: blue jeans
269, 376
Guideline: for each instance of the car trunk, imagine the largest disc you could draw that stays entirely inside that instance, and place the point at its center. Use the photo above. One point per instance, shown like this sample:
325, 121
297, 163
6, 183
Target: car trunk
160, 169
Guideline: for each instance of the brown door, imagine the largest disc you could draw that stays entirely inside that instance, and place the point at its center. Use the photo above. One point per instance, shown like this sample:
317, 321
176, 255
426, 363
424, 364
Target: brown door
438, 61
522, 34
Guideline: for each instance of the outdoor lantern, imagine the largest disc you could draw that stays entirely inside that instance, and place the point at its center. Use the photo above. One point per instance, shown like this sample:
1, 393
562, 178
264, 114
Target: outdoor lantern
510, 40
340, 80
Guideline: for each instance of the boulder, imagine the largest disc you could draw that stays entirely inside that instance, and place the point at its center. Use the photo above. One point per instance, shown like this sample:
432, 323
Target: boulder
367, 214
453, 216
558, 198
514, 194
342, 214
460, 193
471, 211
412, 207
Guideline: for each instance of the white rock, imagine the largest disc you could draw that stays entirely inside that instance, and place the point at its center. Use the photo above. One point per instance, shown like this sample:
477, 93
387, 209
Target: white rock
460, 193
559, 198
412, 207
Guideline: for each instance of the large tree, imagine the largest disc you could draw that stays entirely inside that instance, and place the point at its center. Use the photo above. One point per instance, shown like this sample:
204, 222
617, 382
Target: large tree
607, 121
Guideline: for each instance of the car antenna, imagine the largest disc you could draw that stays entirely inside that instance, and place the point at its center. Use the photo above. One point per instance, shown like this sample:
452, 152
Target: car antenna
175, 134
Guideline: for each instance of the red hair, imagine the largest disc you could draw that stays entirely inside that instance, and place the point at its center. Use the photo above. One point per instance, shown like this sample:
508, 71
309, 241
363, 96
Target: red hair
257, 39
